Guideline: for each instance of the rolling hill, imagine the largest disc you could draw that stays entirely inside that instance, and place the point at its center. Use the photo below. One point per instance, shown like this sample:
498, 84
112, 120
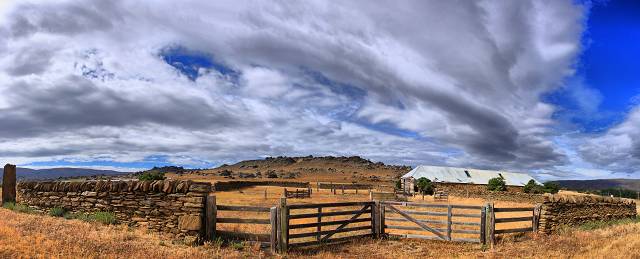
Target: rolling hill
65, 172
600, 184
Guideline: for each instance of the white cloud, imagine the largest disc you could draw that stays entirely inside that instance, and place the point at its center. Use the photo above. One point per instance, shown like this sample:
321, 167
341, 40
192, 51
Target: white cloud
466, 77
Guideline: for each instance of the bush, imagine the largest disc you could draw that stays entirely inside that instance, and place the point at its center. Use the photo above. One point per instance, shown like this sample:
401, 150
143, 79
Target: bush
533, 187
425, 186
57, 212
151, 176
398, 185
496, 184
551, 187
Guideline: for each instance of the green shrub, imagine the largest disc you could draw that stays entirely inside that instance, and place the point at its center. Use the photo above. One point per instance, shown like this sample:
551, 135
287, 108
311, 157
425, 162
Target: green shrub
551, 187
57, 212
496, 184
9, 205
106, 218
425, 186
398, 185
151, 176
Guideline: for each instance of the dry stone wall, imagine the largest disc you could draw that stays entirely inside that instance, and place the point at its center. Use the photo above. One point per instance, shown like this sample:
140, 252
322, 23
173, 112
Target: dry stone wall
173, 207
235, 185
558, 210
513, 193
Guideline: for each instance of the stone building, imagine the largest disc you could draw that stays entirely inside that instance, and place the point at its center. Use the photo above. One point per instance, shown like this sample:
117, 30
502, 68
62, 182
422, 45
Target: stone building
451, 178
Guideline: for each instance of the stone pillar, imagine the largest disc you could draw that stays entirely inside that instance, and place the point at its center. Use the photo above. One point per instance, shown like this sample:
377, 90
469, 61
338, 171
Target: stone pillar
9, 184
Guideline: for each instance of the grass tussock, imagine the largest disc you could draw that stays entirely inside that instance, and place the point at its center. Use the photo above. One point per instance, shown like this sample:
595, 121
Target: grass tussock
17, 207
607, 223
107, 218
57, 212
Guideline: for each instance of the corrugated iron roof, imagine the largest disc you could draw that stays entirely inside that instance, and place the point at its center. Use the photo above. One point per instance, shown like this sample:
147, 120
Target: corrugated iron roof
467, 175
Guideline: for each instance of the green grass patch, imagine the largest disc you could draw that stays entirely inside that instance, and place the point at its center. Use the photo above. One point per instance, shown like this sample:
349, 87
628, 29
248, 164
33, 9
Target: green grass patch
107, 218
17, 207
603, 224
57, 212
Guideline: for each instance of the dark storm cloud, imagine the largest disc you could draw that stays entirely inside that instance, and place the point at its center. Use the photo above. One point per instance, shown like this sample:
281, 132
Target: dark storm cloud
76, 103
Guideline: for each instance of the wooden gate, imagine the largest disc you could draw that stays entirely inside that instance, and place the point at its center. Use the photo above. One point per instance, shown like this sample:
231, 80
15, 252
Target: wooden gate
315, 224
433, 221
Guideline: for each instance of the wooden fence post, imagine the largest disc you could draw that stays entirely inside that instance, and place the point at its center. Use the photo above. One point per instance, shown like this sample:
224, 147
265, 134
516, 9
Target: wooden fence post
284, 226
210, 217
492, 225
9, 184
374, 215
342, 189
381, 221
448, 222
483, 225
265, 193
273, 219
319, 228
536, 217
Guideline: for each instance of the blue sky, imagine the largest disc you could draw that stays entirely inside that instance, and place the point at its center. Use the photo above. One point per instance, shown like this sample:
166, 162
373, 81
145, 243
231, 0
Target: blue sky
548, 88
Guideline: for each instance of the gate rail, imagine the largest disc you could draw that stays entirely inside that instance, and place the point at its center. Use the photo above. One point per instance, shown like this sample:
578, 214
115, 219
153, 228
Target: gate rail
314, 224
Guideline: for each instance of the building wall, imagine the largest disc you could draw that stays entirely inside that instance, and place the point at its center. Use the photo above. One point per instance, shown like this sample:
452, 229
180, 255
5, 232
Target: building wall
173, 207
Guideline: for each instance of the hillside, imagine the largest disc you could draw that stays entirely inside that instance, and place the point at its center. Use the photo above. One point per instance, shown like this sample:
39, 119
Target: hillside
308, 168
56, 173
599, 184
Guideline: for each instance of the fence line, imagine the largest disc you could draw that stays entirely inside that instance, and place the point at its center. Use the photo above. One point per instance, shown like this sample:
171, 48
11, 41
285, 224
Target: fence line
365, 219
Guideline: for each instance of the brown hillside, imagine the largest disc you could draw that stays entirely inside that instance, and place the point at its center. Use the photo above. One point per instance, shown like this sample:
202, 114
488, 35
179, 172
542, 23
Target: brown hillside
324, 169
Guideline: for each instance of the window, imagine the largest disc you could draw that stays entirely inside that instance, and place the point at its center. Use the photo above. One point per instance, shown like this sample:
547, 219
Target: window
467, 173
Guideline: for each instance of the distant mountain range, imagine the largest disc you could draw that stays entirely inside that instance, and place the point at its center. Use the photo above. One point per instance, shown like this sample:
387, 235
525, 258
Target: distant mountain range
600, 184
55, 173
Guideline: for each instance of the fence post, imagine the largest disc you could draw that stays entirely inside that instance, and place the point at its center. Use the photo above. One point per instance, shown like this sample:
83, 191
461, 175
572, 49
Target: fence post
210, 217
342, 189
448, 222
273, 219
319, 228
491, 225
9, 184
381, 219
284, 226
536, 217
265, 193
374, 221
483, 225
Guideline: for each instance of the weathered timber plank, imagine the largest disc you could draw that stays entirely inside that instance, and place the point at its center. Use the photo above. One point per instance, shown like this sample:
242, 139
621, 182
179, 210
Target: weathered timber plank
244, 221
324, 205
243, 208
516, 219
327, 223
512, 209
324, 232
326, 214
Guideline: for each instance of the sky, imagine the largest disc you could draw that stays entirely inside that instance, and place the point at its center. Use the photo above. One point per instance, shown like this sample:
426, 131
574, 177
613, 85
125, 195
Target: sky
549, 88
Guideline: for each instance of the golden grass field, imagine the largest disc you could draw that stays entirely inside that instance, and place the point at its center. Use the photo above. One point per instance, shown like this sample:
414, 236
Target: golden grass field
41, 236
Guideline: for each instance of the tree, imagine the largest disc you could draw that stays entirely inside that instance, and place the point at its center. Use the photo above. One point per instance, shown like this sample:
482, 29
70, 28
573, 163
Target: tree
551, 187
533, 187
398, 185
424, 186
496, 184
151, 176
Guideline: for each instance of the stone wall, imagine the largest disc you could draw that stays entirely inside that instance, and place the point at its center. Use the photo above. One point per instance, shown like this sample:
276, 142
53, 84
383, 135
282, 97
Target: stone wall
173, 207
558, 211
513, 193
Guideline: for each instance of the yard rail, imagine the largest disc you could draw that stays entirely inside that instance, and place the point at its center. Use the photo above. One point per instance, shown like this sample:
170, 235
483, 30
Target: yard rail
308, 225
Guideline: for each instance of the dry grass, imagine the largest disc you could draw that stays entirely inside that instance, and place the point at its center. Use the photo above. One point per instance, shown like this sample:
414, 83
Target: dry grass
38, 236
